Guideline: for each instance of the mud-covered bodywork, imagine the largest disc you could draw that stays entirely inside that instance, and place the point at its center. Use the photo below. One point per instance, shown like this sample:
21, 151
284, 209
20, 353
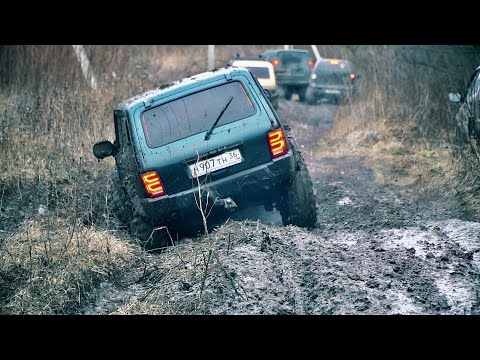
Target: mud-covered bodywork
216, 132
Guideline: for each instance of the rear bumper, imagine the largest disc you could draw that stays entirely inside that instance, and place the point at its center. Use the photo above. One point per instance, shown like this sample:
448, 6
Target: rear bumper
292, 82
252, 186
328, 91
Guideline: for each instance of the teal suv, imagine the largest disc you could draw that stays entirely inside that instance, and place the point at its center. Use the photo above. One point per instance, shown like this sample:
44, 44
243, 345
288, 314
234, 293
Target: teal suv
201, 146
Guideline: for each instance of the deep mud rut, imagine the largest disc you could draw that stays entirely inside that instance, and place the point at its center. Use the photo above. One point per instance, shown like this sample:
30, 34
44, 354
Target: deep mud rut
378, 249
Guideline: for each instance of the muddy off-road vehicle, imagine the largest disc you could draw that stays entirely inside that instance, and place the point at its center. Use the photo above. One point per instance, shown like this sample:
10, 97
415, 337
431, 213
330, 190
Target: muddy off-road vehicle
215, 132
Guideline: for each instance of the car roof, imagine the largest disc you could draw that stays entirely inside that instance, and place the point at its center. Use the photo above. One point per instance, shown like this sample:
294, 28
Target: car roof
247, 63
333, 60
286, 50
183, 84
258, 57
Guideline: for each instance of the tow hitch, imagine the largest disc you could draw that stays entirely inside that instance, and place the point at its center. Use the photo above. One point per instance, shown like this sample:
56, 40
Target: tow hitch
227, 203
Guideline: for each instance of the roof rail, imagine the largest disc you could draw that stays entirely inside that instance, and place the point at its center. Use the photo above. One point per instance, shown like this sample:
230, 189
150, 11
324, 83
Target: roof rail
237, 56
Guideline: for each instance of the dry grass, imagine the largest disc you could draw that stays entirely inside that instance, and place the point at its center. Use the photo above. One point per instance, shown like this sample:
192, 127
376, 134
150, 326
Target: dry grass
187, 277
54, 209
49, 267
58, 239
400, 155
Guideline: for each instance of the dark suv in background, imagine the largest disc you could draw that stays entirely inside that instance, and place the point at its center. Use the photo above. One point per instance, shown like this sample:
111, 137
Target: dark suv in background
333, 80
292, 70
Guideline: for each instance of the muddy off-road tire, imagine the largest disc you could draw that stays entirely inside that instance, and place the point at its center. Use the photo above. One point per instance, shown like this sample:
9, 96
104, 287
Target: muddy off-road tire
151, 239
302, 94
139, 227
288, 92
310, 97
468, 131
298, 206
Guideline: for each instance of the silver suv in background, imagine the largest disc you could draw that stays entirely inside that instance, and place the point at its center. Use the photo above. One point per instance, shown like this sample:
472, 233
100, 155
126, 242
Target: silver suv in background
333, 80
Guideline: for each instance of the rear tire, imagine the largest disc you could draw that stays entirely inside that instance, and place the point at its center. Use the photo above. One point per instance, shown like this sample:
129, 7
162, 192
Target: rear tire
302, 94
139, 227
298, 205
309, 97
150, 238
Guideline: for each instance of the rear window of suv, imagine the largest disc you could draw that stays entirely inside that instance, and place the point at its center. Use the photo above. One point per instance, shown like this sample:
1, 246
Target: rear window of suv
195, 113
259, 72
289, 58
333, 66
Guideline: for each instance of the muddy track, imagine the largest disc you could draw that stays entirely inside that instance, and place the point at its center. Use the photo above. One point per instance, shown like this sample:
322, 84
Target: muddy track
378, 249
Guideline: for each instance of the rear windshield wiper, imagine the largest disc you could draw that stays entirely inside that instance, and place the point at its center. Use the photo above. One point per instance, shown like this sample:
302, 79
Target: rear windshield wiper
209, 132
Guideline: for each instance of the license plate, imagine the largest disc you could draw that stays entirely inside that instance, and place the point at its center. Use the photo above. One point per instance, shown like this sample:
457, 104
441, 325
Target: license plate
216, 163
332, 91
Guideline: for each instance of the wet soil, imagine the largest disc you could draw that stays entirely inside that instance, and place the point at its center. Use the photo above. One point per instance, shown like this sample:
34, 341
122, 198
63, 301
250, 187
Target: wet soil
378, 249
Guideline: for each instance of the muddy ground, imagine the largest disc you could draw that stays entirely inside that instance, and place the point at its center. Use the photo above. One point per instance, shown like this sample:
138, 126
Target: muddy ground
379, 248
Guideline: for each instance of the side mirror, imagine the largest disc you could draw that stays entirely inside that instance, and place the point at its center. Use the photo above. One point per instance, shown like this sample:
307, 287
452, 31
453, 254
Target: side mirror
103, 149
268, 94
454, 97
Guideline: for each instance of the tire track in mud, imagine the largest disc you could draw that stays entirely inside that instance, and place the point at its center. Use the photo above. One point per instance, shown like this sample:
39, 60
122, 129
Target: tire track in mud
285, 265
352, 203
266, 271
293, 271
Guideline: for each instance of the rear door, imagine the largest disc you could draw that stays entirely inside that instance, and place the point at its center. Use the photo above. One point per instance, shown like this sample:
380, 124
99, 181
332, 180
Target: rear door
333, 74
293, 66
174, 135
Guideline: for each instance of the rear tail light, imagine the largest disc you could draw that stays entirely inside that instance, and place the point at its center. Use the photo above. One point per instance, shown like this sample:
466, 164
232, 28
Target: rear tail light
153, 185
275, 63
311, 64
277, 143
